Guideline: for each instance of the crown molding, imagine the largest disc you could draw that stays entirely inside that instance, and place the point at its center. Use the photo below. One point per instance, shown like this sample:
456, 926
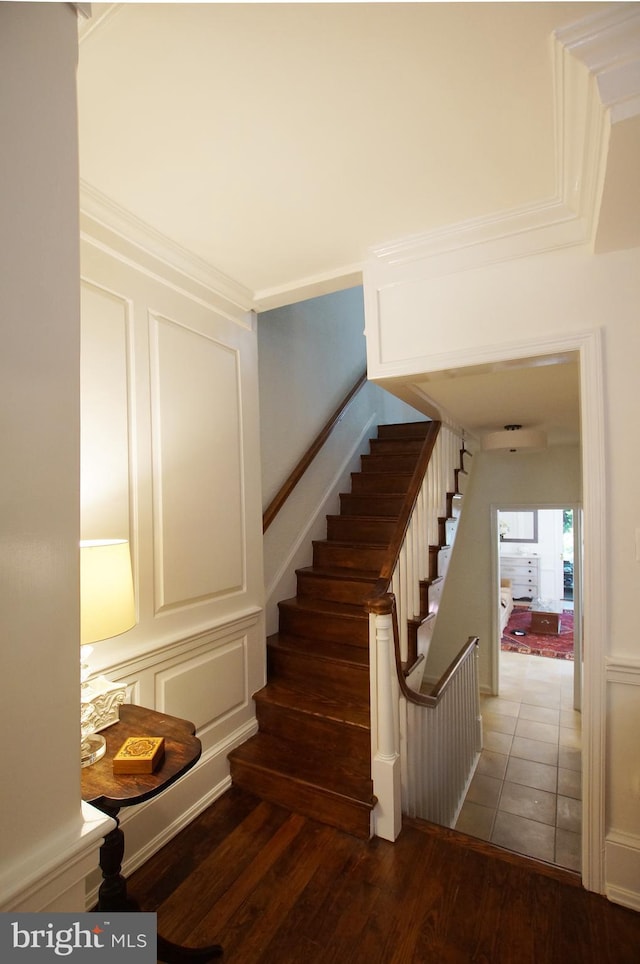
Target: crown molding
83, 10
106, 223
608, 44
329, 282
596, 65
94, 15
525, 222
129, 232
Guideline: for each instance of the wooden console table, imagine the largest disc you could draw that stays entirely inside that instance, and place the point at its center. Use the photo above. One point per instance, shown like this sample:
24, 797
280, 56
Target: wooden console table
109, 793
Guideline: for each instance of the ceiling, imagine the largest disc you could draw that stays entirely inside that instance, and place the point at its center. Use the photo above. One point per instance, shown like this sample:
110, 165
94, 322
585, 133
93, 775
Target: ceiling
536, 393
280, 143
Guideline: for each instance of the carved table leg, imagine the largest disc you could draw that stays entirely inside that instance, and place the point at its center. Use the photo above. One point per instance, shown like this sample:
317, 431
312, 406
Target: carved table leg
112, 896
113, 889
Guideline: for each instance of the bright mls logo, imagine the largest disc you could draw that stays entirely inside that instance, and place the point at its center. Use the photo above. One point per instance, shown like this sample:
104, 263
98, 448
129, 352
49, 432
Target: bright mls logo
78, 937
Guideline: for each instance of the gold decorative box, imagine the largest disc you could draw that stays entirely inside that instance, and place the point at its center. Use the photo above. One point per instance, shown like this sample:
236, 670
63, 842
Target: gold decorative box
139, 754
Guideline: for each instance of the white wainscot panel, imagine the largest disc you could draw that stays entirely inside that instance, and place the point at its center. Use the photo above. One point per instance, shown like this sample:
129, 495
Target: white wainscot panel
105, 413
206, 688
198, 472
622, 843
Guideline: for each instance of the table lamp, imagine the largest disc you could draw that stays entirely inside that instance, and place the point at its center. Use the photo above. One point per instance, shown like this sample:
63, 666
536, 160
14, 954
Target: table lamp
107, 609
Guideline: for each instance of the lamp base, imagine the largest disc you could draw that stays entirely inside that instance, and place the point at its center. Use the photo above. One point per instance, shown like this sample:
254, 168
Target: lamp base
92, 749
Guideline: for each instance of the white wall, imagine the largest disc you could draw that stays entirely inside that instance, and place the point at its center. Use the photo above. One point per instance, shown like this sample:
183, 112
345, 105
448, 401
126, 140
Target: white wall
422, 316
171, 461
310, 355
44, 858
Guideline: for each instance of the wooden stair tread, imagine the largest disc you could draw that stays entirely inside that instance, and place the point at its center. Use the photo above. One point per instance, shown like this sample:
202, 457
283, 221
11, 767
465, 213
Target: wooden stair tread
310, 767
340, 711
347, 544
370, 477
331, 651
379, 463
326, 607
402, 478
419, 429
372, 497
340, 572
407, 444
366, 518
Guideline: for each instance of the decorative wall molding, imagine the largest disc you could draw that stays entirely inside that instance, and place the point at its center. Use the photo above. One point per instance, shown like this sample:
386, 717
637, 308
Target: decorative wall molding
196, 411
109, 483
206, 687
623, 670
135, 664
623, 868
491, 353
130, 238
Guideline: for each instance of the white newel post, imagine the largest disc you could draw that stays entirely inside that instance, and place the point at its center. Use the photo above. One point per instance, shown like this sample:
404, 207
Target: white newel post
385, 740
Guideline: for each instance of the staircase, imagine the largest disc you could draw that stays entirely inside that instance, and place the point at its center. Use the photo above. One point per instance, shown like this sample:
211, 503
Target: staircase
312, 753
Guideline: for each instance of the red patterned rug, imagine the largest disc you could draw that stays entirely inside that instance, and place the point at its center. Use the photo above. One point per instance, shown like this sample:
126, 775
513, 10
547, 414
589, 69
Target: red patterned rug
557, 647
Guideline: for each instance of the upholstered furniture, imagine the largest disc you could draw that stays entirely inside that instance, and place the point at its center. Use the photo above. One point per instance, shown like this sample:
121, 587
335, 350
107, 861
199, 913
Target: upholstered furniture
506, 603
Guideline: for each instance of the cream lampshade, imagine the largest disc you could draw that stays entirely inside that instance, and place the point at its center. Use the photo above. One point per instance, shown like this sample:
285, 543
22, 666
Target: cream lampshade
106, 590
515, 438
107, 608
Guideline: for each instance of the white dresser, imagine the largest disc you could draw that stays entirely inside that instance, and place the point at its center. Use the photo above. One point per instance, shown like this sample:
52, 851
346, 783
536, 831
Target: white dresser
524, 573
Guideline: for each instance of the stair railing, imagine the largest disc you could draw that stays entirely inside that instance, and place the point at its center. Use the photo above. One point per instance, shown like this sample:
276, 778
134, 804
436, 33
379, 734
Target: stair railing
412, 734
301, 467
427, 745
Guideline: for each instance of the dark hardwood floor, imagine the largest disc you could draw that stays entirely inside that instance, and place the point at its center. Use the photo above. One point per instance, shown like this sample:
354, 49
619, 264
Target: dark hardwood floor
272, 886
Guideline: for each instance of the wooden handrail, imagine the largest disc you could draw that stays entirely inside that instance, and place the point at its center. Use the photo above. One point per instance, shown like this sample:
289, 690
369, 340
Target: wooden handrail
386, 605
287, 488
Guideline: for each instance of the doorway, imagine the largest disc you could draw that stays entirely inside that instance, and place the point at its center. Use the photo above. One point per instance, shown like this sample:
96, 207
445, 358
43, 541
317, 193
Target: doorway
591, 581
539, 551
532, 724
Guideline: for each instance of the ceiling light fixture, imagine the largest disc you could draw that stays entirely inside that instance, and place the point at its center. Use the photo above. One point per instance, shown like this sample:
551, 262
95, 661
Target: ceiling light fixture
514, 438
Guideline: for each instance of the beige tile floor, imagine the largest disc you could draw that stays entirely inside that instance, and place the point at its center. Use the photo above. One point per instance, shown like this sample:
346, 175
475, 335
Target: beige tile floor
526, 791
